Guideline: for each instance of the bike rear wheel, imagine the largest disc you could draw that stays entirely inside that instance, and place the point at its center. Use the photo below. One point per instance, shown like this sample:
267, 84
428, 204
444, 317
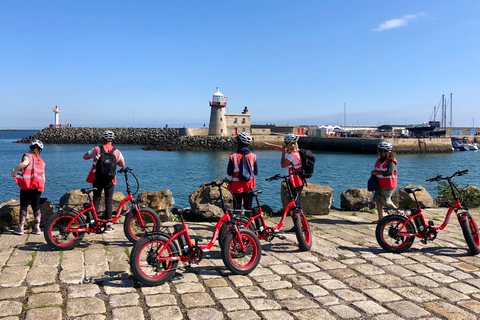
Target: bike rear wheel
56, 233
135, 229
147, 265
302, 231
240, 261
388, 237
470, 232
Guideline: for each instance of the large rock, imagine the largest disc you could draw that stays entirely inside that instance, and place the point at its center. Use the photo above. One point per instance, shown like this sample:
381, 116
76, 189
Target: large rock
160, 201
76, 198
206, 202
316, 199
355, 199
10, 211
404, 200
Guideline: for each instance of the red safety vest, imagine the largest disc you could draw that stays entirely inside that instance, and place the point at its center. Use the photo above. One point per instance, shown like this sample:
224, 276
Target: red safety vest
388, 182
107, 148
296, 180
31, 177
238, 186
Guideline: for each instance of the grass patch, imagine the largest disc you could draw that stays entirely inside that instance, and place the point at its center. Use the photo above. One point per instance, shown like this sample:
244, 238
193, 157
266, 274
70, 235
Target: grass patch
30, 263
61, 257
353, 214
49, 305
127, 252
342, 257
372, 211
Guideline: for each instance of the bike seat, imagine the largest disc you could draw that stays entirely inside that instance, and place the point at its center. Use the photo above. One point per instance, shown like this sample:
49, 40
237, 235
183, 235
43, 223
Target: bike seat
179, 211
88, 190
254, 192
411, 190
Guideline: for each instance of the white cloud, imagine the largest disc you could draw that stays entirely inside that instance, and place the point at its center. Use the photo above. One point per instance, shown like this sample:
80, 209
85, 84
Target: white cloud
398, 23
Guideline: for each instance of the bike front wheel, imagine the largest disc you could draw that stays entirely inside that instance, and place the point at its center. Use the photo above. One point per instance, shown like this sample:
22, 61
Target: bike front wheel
470, 232
227, 226
139, 223
237, 260
390, 237
150, 266
57, 235
302, 231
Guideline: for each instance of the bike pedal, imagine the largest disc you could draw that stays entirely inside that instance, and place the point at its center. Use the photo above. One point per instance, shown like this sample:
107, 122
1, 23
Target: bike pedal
424, 241
430, 223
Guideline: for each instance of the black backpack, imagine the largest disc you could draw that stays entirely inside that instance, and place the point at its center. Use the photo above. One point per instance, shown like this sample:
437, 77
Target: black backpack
106, 166
308, 163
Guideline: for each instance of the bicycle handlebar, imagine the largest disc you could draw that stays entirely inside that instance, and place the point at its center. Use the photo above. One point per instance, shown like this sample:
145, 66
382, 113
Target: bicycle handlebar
440, 177
278, 176
124, 170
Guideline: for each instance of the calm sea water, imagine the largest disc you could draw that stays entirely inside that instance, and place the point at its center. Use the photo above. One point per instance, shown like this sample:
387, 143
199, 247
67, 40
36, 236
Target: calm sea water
183, 172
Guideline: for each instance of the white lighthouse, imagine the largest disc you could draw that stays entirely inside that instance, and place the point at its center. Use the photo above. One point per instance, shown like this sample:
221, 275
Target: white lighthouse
218, 123
56, 110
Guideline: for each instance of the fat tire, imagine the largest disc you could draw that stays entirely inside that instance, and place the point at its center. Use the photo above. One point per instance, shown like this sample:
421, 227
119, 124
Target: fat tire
226, 227
231, 257
470, 232
384, 223
302, 231
137, 260
52, 223
130, 224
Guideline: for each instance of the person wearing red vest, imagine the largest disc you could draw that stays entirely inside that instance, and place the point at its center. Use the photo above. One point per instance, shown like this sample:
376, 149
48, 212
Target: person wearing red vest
386, 172
238, 186
291, 160
30, 177
107, 186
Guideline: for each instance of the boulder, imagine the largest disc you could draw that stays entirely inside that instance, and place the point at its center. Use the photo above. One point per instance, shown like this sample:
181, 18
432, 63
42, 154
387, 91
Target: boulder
10, 211
206, 202
355, 199
404, 200
160, 201
76, 199
316, 199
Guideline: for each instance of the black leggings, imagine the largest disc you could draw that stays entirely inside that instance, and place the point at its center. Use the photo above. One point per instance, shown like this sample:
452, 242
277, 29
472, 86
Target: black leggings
31, 197
109, 187
245, 198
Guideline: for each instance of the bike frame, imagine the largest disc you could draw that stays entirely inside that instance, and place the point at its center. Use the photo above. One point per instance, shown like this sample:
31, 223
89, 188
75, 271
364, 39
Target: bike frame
204, 248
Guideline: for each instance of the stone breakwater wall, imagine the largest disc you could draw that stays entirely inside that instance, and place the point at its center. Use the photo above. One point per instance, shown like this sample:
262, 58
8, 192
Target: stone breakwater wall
166, 139
172, 139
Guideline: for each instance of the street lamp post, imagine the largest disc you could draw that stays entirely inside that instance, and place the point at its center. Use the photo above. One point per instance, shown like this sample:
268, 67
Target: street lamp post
133, 117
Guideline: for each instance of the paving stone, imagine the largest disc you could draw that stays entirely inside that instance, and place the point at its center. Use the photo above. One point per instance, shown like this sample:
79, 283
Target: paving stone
449, 311
44, 299
407, 309
164, 288
382, 295
243, 315
13, 276
224, 293
44, 289
361, 283
464, 288
298, 304
349, 295
345, 312
380, 261
440, 278
399, 271
315, 290
287, 294
12, 293
319, 276
160, 300
465, 267
283, 269
268, 278
320, 314
474, 282
299, 280
38, 276
419, 268
416, 294
264, 304
165, 313
352, 262
84, 306
440, 266
240, 281
276, 315
128, 313
193, 300
83, 290
118, 286
449, 294
204, 314
388, 280
123, 300
306, 267
367, 269
329, 265
189, 288
51, 313
214, 283
422, 281
472, 305
343, 273
10, 308
252, 292
369, 307
460, 275
275, 285
234, 304
332, 284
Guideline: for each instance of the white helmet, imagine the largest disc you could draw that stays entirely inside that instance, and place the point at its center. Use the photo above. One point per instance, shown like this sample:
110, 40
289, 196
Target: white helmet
245, 138
290, 138
36, 143
108, 135
385, 146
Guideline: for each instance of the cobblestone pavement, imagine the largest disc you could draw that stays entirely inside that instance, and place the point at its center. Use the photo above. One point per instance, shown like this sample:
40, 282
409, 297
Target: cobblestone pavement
345, 276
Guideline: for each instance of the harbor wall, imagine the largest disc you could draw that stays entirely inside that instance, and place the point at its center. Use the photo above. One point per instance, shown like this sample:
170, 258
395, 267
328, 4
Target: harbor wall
173, 139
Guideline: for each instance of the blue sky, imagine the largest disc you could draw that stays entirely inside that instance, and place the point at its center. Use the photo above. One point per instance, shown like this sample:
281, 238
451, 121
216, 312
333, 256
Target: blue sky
290, 62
